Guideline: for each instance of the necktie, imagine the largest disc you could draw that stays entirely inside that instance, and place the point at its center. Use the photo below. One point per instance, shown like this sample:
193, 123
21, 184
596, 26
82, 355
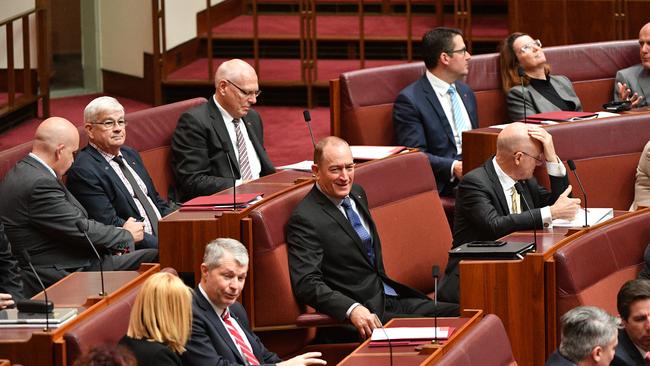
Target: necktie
139, 194
245, 349
516, 203
462, 124
365, 237
647, 358
244, 165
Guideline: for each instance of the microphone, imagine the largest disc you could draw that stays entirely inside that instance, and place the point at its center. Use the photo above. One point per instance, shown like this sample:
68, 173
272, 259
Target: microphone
520, 190
307, 116
390, 345
522, 73
48, 306
572, 166
226, 149
435, 272
83, 230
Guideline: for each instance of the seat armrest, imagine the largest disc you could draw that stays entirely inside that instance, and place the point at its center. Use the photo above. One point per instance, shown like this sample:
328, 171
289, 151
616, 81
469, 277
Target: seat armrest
315, 319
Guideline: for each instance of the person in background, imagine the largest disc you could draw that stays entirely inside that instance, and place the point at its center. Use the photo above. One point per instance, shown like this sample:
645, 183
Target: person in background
633, 83
633, 304
11, 285
106, 355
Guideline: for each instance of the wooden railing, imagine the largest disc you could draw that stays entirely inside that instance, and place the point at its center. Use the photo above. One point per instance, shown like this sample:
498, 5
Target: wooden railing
26, 94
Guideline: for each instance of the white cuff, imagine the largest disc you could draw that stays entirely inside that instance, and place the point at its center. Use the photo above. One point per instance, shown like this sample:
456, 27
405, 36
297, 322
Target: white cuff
347, 313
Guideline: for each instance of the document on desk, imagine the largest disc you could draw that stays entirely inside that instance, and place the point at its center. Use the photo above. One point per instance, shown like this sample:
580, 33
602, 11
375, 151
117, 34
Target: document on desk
303, 166
594, 216
409, 333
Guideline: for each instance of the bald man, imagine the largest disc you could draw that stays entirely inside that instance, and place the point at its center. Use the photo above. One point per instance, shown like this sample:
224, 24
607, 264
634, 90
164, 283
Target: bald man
210, 139
633, 83
41, 217
484, 205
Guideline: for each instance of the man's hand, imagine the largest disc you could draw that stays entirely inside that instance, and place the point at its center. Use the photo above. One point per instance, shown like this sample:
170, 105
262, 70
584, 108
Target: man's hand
546, 139
5, 300
135, 228
624, 94
458, 169
364, 321
309, 358
565, 208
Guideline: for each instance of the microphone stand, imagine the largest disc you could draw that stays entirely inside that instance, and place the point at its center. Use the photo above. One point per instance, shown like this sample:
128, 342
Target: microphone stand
520, 190
234, 178
390, 345
522, 73
435, 343
38, 278
81, 228
307, 117
572, 166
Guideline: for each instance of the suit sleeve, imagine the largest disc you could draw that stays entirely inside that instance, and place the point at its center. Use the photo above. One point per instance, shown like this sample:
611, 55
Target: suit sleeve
409, 131
51, 212
10, 281
515, 102
191, 160
305, 262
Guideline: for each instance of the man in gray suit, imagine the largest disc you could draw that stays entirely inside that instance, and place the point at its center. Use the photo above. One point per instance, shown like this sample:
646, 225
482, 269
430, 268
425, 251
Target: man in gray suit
633, 83
43, 218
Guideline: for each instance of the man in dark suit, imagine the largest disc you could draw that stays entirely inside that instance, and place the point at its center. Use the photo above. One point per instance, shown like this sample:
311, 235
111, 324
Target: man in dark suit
433, 112
220, 331
633, 305
488, 205
210, 144
335, 257
589, 337
42, 217
11, 286
111, 192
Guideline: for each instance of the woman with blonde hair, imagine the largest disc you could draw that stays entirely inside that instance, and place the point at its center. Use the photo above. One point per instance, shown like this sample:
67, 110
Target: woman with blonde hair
161, 321
523, 61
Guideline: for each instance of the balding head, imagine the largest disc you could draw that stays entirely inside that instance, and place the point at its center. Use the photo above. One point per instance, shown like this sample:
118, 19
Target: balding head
236, 87
55, 141
644, 44
517, 151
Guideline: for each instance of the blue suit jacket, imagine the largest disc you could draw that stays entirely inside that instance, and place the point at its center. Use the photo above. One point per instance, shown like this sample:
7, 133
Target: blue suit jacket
98, 188
626, 353
420, 121
210, 344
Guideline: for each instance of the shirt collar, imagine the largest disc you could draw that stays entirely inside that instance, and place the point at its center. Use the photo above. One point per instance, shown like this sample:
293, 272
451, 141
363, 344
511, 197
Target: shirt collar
103, 153
226, 116
506, 182
336, 201
217, 309
439, 86
35, 157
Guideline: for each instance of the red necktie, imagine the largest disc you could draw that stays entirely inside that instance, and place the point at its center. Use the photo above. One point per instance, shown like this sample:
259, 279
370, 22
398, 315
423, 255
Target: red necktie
245, 349
647, 358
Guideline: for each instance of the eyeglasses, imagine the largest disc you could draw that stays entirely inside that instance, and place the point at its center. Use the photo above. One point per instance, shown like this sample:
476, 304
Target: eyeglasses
538, 160
462, 51
246, 94
529, 46
109, 124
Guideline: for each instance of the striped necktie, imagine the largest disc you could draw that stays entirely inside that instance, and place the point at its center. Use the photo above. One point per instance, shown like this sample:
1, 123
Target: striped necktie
246, 351
462, 124
244, 164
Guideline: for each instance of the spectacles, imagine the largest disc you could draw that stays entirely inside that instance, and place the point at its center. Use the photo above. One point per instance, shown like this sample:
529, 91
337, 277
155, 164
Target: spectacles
109, 124
247, 94
529, 46
538, 160
462, 51
338, 169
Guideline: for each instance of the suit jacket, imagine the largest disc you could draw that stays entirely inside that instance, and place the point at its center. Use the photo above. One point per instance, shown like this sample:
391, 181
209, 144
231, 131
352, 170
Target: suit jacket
626, 352
642, 183
420, 121
556, 359
40, 216
536, 102
328, 264
201, 148
151, 353
100, 190
10, 281
210, 342
637, 79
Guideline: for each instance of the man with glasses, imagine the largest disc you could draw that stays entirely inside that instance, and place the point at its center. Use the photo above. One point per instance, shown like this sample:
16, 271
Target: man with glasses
432, 113
633, 83
109, 178
335, 258
221, 138
488, 206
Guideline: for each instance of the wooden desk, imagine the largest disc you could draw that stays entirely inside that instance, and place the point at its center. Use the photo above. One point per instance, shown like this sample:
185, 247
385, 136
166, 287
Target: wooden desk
33, 346
407, 355
520, 293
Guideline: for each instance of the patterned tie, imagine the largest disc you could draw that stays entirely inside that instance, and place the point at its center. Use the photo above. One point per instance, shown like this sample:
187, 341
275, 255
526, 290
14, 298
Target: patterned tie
139, 194
462, 124
365, 237
245, 349
244, 165
516, 202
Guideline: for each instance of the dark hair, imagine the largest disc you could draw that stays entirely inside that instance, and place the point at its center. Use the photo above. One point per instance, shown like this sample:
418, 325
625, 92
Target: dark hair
632, 291
437, 41
509, 63
107, 355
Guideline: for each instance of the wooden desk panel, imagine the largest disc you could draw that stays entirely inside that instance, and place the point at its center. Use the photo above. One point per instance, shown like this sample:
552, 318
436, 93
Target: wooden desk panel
478, 146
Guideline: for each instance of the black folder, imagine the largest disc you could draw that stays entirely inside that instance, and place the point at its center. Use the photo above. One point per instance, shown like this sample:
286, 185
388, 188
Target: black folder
509, 250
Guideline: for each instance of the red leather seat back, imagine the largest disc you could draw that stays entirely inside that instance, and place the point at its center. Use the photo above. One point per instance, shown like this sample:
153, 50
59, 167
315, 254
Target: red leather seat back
9, 157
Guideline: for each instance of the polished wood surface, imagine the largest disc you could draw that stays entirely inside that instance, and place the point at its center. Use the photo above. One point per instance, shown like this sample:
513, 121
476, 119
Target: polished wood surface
408, 355
478, 146
77, 290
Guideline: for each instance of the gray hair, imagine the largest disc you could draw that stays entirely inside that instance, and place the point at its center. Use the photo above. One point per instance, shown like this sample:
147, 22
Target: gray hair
99, 105
215, 250
585, 328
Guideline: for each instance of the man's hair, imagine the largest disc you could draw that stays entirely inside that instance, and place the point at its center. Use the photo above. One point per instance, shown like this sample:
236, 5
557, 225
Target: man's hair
633, 290
162, 312
509, 64
585, 328
216, 249
437, 41
323, 143
99, 105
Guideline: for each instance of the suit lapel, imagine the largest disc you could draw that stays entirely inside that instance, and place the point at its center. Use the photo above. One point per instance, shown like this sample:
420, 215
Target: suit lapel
432, 98
560, 86
116, 181
644, 84
219, 126
217, 323
36, 164
492, 174
250, 129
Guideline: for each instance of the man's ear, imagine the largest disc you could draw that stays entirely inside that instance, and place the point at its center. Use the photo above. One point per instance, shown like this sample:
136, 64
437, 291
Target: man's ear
314, 170
444, 58
596, 354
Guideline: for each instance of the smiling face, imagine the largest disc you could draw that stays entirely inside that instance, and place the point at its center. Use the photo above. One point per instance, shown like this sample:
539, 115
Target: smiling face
532, 56
108, 138
335, 171
223, 284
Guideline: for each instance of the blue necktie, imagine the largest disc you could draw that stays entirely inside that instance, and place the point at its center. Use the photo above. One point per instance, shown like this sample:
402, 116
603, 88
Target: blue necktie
365, 237
461, 122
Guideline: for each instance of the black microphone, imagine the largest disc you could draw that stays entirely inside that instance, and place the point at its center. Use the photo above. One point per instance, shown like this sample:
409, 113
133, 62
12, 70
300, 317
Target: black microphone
83, 230
226, 149
572, 166
522, 73
435, 272
520, 190
390, 345
47, 306
307, 116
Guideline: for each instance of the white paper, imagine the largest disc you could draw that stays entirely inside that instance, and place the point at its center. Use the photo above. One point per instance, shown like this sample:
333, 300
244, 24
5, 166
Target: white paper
408, 333
304, 166
364, 152
594, 216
